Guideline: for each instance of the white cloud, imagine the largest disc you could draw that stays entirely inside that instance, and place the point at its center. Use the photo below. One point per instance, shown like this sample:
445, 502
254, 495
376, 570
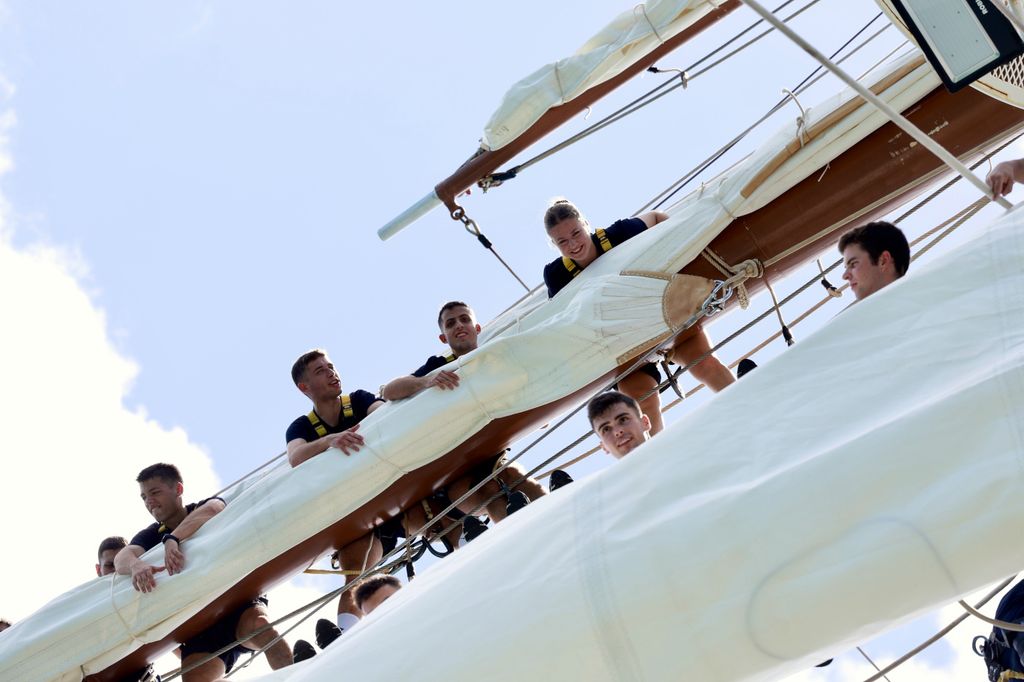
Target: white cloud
71, 447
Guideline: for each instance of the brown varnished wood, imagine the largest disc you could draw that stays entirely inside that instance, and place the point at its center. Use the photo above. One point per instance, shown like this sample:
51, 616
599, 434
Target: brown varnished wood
486, 162
882, 172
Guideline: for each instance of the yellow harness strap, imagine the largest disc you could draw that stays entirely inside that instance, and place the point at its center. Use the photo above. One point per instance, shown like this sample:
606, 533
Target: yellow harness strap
1010, 675
346, 412
606, 246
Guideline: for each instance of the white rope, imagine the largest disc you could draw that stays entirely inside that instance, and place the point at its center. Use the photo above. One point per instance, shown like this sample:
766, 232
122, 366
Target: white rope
909, 128
643, 8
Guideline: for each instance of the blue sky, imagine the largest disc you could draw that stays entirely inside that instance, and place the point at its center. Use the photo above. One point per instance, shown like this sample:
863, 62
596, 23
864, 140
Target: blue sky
213, 175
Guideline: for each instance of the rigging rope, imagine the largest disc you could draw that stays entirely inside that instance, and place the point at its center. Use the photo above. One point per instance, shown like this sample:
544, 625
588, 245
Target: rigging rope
896, 117
938, 635
643, 100
811, 79
947, 227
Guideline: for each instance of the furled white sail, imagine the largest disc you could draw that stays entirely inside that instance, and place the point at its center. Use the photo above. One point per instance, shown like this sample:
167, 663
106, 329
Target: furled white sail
533, 356
870, 473
623, 42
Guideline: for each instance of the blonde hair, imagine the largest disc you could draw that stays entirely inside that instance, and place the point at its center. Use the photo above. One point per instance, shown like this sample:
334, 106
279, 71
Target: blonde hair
561, 209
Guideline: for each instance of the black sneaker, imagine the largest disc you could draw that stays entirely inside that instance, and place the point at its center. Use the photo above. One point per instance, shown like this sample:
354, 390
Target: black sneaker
559, 479
516, 501
302, 651
472, 527
746, 364
326, 632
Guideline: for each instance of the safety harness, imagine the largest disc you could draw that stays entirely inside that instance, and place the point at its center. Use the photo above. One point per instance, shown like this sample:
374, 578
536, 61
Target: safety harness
994, 650
346, 413
606, 246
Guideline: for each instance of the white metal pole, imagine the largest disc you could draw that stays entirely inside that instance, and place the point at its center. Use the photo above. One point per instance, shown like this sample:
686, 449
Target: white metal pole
409, 216
894, 116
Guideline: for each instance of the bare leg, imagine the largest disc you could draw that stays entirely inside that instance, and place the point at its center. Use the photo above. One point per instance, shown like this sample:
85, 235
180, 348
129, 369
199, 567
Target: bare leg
253, 618
354, 557
472, 505
636, 386
530, 486
710, 371
211, 671
416, 518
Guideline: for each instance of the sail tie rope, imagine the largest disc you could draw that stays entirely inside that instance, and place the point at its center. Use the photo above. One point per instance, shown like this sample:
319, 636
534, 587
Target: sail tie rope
881, 105
812, 78
643, 100
801, 120
120, 617
643, 8
737, 274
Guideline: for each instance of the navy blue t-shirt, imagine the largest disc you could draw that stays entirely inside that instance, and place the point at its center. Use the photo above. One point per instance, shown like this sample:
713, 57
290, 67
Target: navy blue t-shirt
432, 363
557, 276
303, 428
1011, 610
150, 536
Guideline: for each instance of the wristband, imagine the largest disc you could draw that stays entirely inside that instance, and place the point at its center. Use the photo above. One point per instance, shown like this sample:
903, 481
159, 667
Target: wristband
170, 536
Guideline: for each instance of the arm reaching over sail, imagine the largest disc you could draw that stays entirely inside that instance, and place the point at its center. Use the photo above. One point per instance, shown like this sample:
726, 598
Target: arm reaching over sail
1004, 175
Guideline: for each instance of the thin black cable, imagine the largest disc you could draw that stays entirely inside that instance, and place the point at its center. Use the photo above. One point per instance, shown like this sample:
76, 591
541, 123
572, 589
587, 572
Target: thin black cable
818, 73
650, 96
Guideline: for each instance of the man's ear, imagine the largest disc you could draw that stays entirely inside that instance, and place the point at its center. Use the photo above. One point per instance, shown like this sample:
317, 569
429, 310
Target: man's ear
97, 570
478, 329
179, 489
444, 339
646, 422
885, 258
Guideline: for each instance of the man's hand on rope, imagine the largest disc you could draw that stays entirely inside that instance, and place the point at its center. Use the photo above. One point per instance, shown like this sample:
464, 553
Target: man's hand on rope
348, 440
143, 576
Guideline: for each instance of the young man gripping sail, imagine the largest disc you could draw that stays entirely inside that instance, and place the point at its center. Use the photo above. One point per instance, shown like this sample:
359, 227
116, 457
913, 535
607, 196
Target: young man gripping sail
570, 232
460, 331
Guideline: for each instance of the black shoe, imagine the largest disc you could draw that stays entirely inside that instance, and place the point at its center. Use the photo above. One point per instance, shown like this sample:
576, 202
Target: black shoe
746, 364
559, 479
326, 632
302, 651
516, 501
472, 527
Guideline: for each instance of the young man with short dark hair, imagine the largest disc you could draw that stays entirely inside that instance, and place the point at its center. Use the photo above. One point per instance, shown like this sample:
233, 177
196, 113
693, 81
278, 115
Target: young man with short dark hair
618, 422
334, 423
106, 553
874, 255
161, 488
460, 330
108, 549
375, 590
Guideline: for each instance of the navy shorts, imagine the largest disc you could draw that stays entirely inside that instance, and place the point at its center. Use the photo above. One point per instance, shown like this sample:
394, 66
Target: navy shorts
220, 634
389, 533
648, 368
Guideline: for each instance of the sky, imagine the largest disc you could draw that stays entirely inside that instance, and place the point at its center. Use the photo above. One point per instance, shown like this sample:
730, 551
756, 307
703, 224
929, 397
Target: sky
189, 199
